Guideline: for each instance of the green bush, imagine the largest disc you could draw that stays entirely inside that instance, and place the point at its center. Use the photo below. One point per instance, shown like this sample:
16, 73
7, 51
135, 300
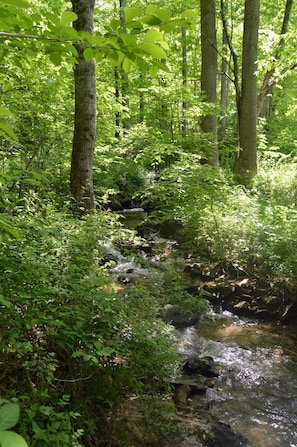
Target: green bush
72, 346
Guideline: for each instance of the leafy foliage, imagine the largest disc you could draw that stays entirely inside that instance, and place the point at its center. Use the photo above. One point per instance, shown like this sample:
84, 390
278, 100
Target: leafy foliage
73, 343
65, 332
9, 416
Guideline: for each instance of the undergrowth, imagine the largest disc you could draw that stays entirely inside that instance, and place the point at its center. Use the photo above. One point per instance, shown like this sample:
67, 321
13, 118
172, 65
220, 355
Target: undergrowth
219, 218
72, 346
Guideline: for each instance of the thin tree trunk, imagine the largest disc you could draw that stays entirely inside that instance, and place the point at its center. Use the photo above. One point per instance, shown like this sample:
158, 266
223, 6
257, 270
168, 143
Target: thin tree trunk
246, 160
235, 68
124, 78
269, 78
184, 76
141, 100
224, 89
81, 176
209, 73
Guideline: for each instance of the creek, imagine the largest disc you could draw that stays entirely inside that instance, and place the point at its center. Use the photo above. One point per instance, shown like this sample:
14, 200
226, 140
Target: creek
256, 392
257, 388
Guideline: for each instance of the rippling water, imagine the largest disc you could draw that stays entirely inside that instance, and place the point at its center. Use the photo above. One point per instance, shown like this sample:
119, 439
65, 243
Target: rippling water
256, 392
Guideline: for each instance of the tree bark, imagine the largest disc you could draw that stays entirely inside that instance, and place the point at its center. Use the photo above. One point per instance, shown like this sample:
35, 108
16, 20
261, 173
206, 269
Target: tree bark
81, 176
246, 160
209, 73
235, 68
224, 89
184, 76
269, 78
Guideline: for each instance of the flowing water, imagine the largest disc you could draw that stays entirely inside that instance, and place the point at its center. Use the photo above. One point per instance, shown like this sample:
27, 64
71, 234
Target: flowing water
256, 392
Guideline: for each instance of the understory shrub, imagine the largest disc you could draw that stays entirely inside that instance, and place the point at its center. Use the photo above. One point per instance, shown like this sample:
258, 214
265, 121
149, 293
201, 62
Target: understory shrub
72, 346
219, 219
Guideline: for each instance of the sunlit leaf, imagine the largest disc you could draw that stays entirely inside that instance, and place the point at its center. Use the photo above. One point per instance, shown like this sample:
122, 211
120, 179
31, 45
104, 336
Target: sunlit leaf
68, 17
153, 70
131, 13
88, 54
9, 416
11, 439
68, 32
153, 50
173, 24
5, 112
17, 3
135, 26
164, 44
189, 13
127, 66
162, 14
7, 131
151, 20
161, 66
150, 9
115, 23
115, 58
153, 35
128, 39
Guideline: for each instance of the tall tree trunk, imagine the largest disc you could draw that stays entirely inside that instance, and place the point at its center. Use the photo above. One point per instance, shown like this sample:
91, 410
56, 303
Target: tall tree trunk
246, 160
209, 73
81, 176
124, 76
235, 68
121, 87
224, 89
141, 100
269, 79
184, 76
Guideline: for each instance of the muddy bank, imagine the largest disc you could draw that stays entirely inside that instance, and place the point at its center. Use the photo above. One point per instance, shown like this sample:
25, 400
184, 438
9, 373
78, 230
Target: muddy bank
234, 289
190, 426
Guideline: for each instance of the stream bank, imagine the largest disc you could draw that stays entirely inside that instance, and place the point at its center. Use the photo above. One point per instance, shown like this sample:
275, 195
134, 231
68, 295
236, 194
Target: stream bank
229, 288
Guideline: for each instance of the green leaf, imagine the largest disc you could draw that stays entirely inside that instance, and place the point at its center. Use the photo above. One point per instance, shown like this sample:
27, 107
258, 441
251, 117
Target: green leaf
128, 39
89, 54
163, 14
164, 45
189, 13
153, 35
153, 50
161, 66
68, 17
56, 58
18, 3
5, 112
7, 131
131, 13
68, 32
150, 9
173, 24
153, 71
12, 232
9, 416
115, 58
127, 66
6, 304
115, 23
151, 20
141, 63
135, 26
11, 439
